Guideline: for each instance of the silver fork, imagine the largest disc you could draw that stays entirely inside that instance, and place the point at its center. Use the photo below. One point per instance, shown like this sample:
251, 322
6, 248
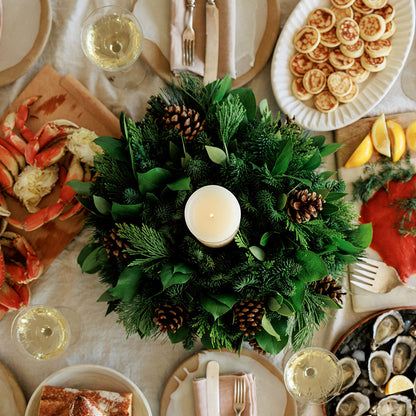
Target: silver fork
188, 36
375, 276
239, 395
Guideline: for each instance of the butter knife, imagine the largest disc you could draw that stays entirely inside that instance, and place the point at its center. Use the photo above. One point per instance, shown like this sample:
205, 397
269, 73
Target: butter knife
213, 391
211, 41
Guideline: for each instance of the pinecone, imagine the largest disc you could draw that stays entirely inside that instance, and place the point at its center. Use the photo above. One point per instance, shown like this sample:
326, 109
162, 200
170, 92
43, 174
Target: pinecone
256, 347
170, 317
302, 205
185, 120
115, 246
329, 287
248, 315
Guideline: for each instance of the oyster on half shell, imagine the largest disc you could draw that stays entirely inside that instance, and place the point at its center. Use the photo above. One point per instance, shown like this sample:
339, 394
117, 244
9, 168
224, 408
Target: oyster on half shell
379, 367
352, 404
387, 326
350, 372
402, 353
396, 405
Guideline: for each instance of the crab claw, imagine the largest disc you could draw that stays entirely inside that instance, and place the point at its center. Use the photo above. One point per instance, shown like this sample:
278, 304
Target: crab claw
71, 212
7, 127
6, 178
20, 158
16, 273
9, 297
22, 114
8, 160
24, 292
37, 219
50, 155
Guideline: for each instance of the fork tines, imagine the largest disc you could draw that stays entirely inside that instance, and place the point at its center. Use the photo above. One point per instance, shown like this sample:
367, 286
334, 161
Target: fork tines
365, 272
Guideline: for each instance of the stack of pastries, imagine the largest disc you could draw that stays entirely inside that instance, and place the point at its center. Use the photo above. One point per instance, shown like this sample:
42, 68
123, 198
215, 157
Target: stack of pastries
338, 48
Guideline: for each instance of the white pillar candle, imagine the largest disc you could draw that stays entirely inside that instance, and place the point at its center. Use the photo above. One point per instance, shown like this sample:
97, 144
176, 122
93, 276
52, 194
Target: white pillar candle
212, 214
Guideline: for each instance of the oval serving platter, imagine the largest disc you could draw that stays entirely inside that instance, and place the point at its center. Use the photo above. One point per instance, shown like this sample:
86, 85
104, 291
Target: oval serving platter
371, 92
356, 343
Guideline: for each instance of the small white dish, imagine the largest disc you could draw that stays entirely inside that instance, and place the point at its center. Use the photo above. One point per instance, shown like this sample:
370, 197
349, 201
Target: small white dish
92, 377
371, 92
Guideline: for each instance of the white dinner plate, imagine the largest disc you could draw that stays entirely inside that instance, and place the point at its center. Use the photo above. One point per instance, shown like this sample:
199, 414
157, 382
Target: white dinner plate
272, 396
371, 92
92, 377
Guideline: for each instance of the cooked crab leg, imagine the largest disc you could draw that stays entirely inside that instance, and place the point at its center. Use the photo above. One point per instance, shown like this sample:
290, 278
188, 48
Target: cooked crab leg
22, 114
9, 297
20, 157
7, 127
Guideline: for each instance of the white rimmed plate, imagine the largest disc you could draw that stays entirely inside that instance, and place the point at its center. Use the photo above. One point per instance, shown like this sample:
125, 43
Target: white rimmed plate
371, 92
93, 377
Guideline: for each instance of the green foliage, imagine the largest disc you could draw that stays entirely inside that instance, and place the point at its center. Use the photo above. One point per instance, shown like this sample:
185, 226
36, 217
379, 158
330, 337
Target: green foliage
142, 183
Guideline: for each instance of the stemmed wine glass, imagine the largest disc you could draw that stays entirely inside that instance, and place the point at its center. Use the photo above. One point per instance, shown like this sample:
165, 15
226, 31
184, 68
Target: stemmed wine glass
313, 375
112, 39
45, 332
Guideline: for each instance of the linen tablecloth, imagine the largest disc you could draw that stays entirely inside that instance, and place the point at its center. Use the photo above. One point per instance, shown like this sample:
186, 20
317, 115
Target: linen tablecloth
103, 340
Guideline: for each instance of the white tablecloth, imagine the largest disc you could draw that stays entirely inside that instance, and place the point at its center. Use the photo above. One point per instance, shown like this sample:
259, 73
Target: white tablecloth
103, 340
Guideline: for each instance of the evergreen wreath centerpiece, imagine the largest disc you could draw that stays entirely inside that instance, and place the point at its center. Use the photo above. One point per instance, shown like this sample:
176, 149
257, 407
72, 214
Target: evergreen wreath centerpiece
276, 281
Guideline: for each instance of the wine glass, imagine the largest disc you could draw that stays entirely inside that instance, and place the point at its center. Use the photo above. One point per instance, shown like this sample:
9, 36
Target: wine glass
112, 39
45, 332
313, 375
409, 73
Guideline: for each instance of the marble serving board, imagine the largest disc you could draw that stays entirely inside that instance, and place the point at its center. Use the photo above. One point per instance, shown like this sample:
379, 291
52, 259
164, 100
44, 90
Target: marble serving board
351, 136
61, 97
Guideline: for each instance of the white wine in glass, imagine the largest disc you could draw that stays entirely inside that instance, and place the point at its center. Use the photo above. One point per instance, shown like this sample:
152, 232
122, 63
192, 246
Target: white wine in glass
313, 375
42, 331
112, 39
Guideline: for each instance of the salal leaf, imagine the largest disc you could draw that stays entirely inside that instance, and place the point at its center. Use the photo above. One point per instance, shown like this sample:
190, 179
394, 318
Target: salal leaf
218, 305
174, 152
174, 275
102, 205
281, 201
95, 260
282, 161
328, 302
318, 141
185, 160
223, 90
362, 235
127, 284
216, 155
106, 297
269, 342
335, 196
313, 267
314, 161
286, 308
330, 148
179, 335
80, 187
182, 184
265, 238
268, 327
248, 100
258, 253
326, 175
116, 148
298, 295
122, 211
88, 249
329, 209
153, 179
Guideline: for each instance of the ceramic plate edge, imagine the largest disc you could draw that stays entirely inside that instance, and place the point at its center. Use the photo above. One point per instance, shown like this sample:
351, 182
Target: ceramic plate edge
281, 77
133, 386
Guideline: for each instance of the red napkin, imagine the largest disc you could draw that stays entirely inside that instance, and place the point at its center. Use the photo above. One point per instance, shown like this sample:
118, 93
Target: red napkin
226, 395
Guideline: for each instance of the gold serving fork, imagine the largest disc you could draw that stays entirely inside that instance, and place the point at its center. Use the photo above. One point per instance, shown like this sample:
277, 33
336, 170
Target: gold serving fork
375, 276
188, 36
239, 395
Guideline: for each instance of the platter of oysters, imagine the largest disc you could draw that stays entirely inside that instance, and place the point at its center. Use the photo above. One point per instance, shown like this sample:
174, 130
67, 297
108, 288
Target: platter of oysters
371, 353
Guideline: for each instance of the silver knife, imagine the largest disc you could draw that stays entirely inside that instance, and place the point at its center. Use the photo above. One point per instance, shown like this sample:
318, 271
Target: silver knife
213, 390
211, 41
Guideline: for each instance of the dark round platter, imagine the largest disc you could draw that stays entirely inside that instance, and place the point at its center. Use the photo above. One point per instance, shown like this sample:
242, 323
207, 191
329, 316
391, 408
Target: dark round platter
356, 344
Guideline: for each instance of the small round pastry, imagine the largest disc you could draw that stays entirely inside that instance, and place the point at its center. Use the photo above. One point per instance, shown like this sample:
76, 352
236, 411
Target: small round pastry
377, 48
387, 12
319, 54
357, 73
300, 64
353, 51
314, 81
299, 90
372, 27
359, 6
390, 30
325, 102
341, 13
375, 4
338, 60
330, 38
307, 39
325, 67
322, 18
342, 4
348, 31
339, 83
373, 64
358, 16
351, 96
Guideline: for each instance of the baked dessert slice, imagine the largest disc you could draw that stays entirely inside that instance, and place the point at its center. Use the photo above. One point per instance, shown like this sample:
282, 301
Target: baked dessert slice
58, 401
82, 406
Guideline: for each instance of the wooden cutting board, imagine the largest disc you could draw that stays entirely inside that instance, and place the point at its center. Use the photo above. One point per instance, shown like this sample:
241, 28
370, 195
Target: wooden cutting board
61, 98
353, 134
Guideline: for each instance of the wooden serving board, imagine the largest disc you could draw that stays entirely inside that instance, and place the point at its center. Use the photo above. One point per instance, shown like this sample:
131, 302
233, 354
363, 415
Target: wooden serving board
353, 134
61, 98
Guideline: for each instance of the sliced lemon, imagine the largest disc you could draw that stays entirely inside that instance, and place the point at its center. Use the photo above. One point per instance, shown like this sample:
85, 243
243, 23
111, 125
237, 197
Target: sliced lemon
361, 154
411, 136
380, 136
397, 139
397, 384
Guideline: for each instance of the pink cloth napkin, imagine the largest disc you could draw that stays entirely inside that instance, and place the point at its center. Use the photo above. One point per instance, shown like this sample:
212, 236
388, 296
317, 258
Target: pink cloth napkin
226, 395
179, 18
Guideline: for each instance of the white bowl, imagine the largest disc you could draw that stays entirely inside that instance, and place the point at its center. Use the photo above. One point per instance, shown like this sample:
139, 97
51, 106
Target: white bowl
92, 377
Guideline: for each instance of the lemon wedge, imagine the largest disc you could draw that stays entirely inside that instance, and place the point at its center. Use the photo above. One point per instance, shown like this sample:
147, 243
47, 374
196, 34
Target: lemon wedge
411, 136
380, 136
397, 139
397, 384
361, 154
